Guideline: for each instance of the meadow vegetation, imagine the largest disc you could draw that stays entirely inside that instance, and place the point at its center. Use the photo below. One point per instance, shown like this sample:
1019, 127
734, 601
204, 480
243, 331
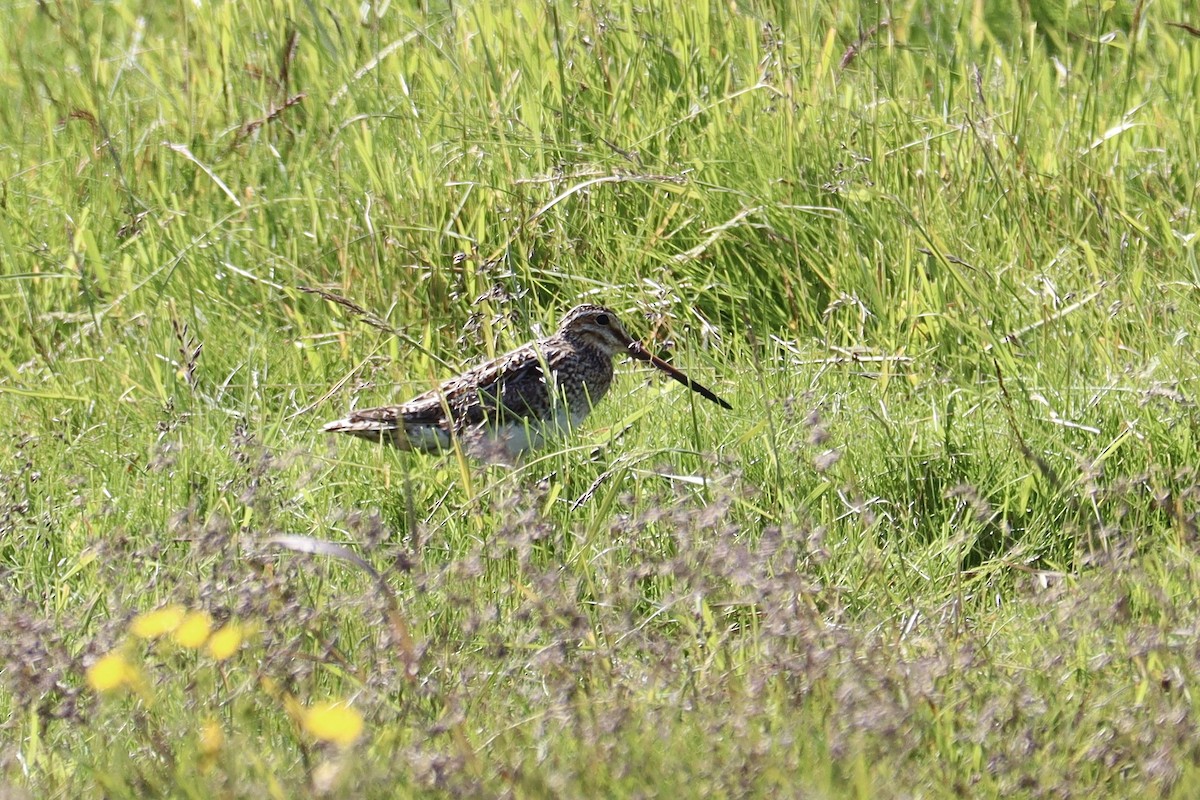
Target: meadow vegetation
940, 256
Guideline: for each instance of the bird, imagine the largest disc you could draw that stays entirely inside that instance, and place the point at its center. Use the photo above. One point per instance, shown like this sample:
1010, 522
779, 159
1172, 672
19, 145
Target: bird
503, 408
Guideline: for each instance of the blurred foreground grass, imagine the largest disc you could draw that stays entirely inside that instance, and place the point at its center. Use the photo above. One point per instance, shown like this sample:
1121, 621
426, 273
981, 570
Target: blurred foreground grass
941, 258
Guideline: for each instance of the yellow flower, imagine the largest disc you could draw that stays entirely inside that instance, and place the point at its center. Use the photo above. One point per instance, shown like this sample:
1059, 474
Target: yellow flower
212, 738
225, 642
112, 672
153, 624
193, 630
333, 721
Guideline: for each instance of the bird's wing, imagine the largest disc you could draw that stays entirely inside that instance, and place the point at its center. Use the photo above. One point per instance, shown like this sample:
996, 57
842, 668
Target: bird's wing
504, 389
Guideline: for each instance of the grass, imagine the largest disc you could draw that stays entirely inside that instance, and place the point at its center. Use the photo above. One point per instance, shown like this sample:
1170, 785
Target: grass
940, 257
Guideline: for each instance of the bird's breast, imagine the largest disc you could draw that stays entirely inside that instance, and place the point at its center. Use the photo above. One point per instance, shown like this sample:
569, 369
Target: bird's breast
583, 380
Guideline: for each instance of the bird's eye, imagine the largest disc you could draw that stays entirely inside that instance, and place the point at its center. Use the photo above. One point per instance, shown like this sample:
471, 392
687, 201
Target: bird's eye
602, 319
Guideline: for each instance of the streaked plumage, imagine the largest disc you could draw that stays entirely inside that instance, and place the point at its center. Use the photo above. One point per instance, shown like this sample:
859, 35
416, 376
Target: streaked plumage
506, 406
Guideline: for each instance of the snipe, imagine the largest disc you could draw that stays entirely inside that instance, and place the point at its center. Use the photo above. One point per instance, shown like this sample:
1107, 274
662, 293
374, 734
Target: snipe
512, 404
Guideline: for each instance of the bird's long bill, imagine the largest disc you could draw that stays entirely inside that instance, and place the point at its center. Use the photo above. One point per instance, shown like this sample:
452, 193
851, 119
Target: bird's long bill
642, 354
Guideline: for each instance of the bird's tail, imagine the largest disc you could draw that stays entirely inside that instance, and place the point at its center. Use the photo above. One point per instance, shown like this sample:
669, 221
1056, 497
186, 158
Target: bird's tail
371, 425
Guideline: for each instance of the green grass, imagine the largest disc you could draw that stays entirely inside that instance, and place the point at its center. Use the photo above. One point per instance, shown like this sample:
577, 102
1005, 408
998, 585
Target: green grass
940, 257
